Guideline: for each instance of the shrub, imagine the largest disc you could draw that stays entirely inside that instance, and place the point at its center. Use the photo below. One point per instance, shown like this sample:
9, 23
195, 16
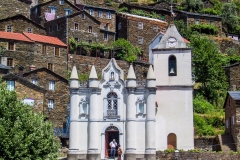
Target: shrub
204, 28
201, 105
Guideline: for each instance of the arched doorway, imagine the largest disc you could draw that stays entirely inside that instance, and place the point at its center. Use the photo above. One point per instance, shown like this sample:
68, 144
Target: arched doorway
172, 141
111, 133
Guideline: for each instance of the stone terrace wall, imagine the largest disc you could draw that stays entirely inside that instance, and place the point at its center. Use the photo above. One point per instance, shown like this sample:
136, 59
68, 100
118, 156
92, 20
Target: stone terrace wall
197, 156
84, 63
207, 144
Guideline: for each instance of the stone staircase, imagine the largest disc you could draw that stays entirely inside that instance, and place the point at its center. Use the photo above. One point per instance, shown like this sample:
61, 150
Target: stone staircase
226, 143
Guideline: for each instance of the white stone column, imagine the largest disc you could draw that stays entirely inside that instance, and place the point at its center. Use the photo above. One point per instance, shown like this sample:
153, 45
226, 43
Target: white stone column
150, 123
130, 125
93, 124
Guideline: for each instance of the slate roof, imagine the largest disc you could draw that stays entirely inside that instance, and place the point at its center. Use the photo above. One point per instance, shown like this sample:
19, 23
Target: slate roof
4, 67
44, 39
14, 36
234, 94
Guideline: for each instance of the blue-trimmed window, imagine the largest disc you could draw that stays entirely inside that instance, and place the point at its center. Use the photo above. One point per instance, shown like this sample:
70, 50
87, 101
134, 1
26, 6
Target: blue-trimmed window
10, 85
53, 9
172, 66
68, 12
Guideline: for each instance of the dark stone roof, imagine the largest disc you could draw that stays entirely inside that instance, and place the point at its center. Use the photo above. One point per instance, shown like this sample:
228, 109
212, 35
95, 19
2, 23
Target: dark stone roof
192, 14
17, 16
4, 67
23, 81
232, 65
47, 70
90, 6
234, 94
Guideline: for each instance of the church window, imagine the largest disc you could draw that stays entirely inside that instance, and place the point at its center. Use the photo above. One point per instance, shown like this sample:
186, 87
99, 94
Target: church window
112, 104
141, 106
172, 66
83, 106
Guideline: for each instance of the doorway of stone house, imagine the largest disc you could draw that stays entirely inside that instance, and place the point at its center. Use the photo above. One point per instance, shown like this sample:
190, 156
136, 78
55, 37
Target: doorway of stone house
111, 133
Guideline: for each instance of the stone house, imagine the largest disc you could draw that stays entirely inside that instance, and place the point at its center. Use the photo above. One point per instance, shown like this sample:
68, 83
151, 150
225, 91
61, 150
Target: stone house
106, 16
139, 30
232, 115
81, 26
26, 49
233, 77
191, 18
19, 23
10, 8
4, 70
26, 91
51, 10
56, 97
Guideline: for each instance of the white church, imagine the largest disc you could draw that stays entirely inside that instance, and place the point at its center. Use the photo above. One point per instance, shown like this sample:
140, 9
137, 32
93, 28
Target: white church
142, 120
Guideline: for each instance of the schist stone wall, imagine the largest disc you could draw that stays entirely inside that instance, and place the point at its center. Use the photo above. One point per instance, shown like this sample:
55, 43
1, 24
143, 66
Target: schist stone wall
20, 24
10, 8
60, 95
38, 12
139, 31
23, 91
217, 23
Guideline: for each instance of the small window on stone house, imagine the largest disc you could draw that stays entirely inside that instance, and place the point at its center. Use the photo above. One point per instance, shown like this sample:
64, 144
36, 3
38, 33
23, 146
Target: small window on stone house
9, 28
50, 66
52, 85
11, 46
10, 62
140, 40
29, 30
90, 30
53, 9
83, 16
155, 28
105, 37
140, 25
58, 26
100, 14
91, 12
57, 51
61, 2
35, 81
10, 85
108, 15
51, 103
68, 12
76, 26
211, 22
44, 49
172, 66
197, 21
119, 26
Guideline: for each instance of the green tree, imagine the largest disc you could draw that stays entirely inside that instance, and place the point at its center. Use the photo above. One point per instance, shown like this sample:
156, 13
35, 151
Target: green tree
192, 5
125, 50
23, 133
208, 68
229, 16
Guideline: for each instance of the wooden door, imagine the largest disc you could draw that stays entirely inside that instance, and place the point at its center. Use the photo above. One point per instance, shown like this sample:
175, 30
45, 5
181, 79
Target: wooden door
172, 141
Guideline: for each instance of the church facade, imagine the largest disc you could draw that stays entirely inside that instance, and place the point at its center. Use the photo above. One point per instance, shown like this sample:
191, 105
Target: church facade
142, 119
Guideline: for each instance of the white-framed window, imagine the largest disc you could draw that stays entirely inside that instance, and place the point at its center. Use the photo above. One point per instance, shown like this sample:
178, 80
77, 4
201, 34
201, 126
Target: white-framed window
35, 81
10, 85
67, 11
141, 106
100, 14
140, 40
119, 26
52, 85
233, 120
61, 2
105, 37
51, 103
155, 28
112, 104
58, 26
10, 62
226, 123
76, 26
29, 30
9, 28
91, 12
140, 25
108, 15
53, 10
90, 29
84, 106
197, 21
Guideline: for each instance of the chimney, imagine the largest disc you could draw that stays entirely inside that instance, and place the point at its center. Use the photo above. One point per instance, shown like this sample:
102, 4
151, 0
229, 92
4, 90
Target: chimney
234, 87
32, 67
20, 71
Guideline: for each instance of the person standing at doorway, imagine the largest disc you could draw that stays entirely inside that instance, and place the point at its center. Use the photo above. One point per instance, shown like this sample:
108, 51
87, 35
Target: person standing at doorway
113, 146
119, 152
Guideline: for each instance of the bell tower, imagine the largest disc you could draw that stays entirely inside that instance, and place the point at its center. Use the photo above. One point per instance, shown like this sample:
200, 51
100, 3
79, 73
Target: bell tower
174, 96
